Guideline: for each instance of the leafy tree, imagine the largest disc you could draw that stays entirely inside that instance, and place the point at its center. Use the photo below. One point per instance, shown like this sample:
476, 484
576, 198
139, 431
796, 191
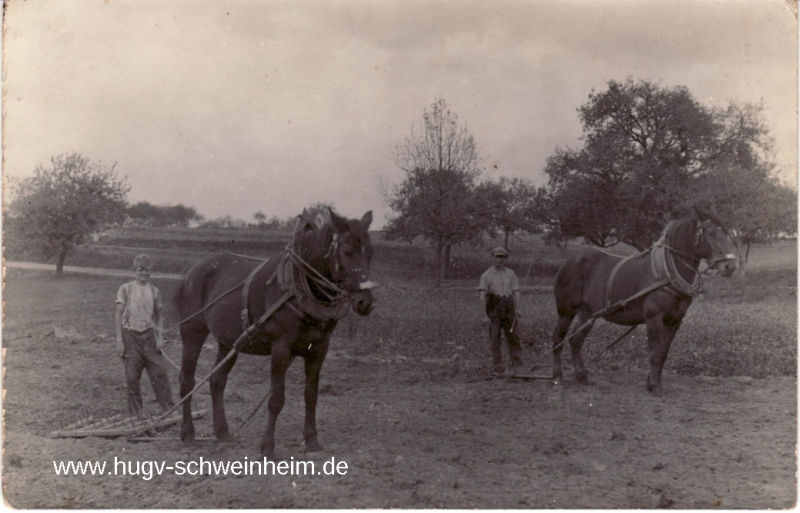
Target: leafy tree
755, 203
224, 222
142, 213
276, 223
509, 202
145, 213
59, 206
579, 200
260, 219
436, 199
742, 182
646, 149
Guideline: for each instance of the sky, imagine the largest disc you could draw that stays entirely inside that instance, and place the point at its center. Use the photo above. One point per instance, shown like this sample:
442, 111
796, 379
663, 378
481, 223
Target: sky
235, 107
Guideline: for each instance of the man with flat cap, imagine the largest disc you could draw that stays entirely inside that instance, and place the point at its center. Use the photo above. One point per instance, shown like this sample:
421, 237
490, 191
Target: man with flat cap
499, 289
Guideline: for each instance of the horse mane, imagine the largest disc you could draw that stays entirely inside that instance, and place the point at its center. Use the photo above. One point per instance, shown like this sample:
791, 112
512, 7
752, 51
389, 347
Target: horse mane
719, 222
313, 239
680, 234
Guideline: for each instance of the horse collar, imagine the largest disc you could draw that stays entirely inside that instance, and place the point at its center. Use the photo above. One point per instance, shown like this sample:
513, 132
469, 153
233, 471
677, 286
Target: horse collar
245, 315
333, 250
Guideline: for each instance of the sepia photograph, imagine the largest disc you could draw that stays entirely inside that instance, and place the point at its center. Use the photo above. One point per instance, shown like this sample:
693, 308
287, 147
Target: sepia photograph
422, 254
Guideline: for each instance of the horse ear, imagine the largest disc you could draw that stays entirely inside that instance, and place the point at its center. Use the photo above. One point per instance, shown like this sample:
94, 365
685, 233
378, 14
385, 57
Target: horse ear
339, 223
366, 220
305, 223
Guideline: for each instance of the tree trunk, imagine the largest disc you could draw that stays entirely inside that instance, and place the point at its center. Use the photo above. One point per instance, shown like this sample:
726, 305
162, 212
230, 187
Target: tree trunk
743, 261
437, 269
60, 262
506, 243
445, 261
741, 257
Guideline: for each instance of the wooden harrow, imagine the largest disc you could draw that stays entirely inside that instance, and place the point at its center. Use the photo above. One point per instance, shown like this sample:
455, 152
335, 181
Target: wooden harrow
118, 425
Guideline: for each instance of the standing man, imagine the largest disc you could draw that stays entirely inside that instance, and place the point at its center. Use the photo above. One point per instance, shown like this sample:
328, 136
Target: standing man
139, 338
499, 288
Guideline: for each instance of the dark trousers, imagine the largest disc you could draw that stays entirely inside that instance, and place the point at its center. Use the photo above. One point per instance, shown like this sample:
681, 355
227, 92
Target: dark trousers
500, 310
141, 353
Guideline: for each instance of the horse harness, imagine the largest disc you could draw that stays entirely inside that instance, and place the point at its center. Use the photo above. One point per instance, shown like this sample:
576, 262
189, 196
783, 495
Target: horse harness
293, 280
664, 270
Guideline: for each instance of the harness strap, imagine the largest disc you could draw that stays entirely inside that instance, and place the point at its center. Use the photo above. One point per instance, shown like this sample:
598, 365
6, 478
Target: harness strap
245, 315
612, 308
613, 275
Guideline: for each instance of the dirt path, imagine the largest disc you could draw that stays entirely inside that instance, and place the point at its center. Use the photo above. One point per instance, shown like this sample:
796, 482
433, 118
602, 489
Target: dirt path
87, 270
414, 440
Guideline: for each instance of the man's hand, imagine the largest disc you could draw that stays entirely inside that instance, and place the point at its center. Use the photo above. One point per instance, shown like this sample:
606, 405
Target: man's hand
120, 348
159, 343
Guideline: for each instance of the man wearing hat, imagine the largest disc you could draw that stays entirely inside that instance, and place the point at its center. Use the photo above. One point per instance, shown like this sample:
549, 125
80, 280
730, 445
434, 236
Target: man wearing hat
499, 288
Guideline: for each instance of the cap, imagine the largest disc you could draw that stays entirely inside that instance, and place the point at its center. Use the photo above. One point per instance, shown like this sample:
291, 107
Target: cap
500, 250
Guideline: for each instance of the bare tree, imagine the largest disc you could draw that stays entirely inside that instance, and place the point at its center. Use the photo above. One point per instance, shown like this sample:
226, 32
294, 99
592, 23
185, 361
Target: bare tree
436, 199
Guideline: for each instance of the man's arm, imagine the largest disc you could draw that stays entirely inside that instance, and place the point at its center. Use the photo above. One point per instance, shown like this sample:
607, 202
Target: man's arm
157, 317
158, 307
118, 328
515, 292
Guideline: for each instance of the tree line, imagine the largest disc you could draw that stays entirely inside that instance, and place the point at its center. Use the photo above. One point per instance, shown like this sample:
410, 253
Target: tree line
647, 155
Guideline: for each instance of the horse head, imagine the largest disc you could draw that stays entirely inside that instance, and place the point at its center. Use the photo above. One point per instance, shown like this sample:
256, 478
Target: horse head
713, 242
349, 257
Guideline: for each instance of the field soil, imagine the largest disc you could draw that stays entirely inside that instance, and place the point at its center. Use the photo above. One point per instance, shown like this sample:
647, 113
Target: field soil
412, 433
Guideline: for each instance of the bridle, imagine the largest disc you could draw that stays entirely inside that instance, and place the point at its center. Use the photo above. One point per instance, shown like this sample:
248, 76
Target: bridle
676, 280
333, 292
700, 238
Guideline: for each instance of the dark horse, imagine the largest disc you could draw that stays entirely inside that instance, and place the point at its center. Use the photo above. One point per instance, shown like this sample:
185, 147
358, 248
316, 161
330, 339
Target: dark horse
655, 287
291, 305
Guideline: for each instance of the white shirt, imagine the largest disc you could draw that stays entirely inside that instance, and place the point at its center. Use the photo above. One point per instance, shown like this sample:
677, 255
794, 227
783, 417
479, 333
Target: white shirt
140, 302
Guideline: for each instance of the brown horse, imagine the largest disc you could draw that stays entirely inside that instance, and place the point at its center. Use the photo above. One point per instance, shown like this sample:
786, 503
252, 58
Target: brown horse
285, 307
655, 287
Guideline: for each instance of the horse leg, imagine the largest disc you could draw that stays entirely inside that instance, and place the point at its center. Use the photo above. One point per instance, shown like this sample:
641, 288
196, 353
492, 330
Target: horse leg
576, 345
192, 346
313, 366
562, 327
217, 384
281, 359
661, 331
